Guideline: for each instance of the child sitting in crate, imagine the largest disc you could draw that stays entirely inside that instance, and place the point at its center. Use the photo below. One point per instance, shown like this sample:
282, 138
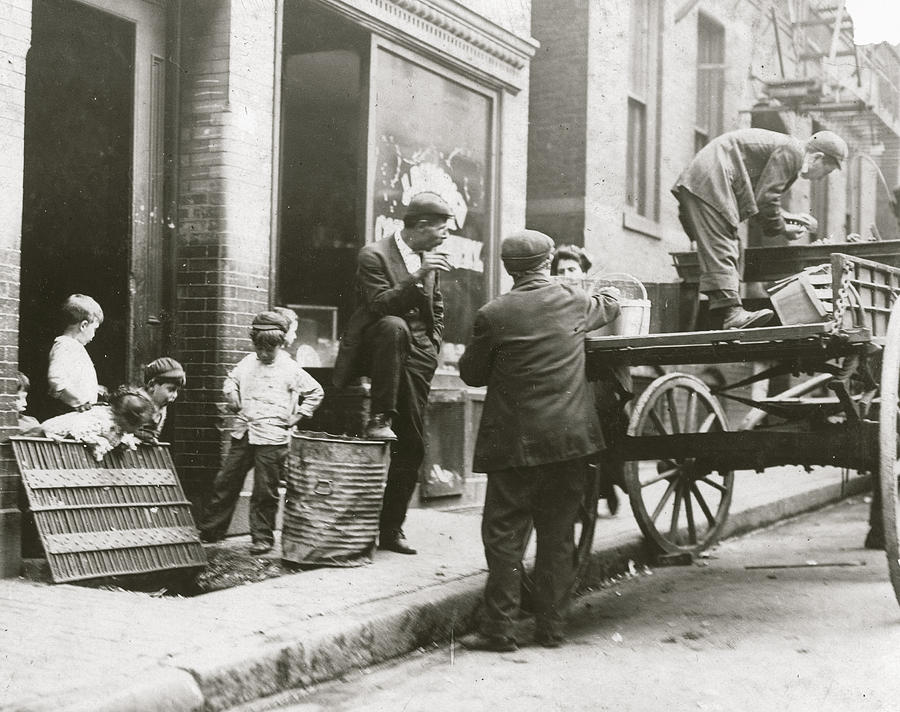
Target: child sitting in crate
104, 427
163, 378
264, 390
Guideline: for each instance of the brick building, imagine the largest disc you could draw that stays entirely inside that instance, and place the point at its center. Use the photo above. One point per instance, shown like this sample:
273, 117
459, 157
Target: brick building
190, 163
624, 93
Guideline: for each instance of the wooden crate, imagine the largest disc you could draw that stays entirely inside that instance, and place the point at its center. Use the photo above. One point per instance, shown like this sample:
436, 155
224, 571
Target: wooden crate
804, 298
124, 515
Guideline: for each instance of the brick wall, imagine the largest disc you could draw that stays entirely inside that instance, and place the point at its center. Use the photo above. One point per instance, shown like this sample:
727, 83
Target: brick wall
15, 38
557, 119
224, 198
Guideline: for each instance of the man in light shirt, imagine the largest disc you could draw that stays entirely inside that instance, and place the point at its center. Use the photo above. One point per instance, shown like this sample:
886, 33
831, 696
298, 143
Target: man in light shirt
394, 338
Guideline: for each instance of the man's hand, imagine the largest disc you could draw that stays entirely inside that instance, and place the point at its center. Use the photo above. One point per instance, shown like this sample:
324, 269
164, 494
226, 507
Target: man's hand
611, 291
432, 261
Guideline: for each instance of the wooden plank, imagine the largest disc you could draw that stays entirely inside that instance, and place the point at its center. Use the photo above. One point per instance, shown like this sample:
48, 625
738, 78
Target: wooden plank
126, 539
98, 477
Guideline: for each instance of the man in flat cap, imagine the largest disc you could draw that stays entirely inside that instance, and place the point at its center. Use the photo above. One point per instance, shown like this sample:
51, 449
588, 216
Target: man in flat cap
394, 338
538, 430
735, 176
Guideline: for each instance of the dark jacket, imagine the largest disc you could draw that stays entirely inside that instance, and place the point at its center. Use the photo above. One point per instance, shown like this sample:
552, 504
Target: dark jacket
743, 173
384, 287
527, 347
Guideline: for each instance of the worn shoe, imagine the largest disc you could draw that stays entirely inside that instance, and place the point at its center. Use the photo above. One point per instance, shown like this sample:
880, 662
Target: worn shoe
260, 547
740, 318
874, 540
379, 428
207, 538
549, 639
489, 643
395, 541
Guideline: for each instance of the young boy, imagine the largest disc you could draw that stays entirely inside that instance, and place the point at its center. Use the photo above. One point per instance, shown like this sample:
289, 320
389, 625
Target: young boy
26, 422
263, 390
162, 380
71, 375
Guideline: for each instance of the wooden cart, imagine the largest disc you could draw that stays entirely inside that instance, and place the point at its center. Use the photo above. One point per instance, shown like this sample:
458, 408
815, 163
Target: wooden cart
681, 452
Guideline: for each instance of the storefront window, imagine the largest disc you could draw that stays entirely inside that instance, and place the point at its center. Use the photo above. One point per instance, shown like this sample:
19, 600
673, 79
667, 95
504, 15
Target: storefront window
433, 134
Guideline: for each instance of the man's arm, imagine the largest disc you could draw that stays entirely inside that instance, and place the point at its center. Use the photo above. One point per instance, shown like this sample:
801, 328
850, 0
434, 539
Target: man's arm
478, 358
437, 310
602, 308
380, 296
779, 173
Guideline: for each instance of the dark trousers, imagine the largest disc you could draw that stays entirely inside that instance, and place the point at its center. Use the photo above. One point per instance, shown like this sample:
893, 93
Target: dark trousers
546, 497
401, 366
267, 462
718, 249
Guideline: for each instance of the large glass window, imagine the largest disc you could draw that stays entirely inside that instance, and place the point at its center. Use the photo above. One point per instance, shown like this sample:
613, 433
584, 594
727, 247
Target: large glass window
641, 161
433, 134
710, 80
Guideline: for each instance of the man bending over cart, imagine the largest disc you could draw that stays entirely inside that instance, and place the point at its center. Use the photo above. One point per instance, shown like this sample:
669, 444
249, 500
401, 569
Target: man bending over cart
737, 175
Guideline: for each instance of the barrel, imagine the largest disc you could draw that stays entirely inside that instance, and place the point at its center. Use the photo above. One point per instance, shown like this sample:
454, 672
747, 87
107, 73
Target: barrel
335, 486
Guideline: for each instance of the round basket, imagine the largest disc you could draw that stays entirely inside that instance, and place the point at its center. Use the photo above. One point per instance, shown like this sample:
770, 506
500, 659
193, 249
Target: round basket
335, 485
634, 314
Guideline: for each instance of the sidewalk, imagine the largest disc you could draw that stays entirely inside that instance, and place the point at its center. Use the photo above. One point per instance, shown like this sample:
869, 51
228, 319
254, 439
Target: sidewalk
72, 648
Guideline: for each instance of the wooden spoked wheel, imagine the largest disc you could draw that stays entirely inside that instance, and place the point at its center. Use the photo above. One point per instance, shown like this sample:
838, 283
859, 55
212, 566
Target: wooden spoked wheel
889, 467
679, 506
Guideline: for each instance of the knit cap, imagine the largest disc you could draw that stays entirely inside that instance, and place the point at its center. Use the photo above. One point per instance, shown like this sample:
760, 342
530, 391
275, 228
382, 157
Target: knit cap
164, 367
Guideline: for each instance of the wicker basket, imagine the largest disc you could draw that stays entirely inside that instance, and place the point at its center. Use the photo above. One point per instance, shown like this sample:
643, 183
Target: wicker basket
335, 488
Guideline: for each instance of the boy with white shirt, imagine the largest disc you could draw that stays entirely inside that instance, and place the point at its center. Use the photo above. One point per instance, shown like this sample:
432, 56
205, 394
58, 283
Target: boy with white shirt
264, 390
71, 376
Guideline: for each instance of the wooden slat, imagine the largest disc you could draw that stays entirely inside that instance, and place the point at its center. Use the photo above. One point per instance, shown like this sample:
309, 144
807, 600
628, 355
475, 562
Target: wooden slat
98, 477
107, 540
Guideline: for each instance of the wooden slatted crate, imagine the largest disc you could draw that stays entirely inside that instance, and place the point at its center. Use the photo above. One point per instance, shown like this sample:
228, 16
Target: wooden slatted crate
125, 515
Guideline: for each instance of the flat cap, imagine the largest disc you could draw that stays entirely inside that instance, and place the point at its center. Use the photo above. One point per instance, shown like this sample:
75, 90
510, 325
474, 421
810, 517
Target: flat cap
830, 144
270, 321
525, 250
424, 205
164, 367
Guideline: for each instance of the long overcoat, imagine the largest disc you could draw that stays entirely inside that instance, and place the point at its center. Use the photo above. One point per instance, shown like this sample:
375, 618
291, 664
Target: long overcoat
384, 287
527, 347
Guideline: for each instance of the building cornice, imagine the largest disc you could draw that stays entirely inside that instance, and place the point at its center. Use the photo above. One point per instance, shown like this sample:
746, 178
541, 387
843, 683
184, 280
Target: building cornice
449, 32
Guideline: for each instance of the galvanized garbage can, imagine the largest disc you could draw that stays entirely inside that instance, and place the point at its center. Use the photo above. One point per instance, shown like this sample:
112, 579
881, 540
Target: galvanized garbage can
335, 485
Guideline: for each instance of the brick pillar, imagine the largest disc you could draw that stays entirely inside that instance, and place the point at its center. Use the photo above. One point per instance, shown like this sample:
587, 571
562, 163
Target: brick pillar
15, 38
224, 211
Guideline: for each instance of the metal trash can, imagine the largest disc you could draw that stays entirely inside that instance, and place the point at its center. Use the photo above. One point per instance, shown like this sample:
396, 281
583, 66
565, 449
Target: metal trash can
335, 486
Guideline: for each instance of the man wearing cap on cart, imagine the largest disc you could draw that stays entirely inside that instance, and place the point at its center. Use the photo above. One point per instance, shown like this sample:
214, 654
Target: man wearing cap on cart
394, 338
538, 429
737, 175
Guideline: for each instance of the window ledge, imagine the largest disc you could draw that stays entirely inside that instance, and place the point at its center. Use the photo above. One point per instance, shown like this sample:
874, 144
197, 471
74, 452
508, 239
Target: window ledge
638, 223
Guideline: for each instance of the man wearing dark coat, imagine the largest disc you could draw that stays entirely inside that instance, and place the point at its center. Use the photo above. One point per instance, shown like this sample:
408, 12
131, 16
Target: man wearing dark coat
538, 429
735, 176
394, 337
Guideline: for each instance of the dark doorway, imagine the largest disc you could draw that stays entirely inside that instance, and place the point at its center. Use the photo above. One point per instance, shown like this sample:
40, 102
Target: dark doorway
76, 224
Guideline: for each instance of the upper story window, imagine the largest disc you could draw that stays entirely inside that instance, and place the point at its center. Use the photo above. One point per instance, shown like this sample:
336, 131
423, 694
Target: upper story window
642, 157
710, 80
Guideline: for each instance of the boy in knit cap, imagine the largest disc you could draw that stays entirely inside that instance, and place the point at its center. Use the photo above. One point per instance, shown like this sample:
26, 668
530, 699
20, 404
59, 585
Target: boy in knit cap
163, 378
270, 394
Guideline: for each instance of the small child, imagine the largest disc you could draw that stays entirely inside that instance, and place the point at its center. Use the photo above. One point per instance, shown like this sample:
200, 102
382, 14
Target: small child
71, 375
104, 427
26, 422
305, 355
163, 378
263, 390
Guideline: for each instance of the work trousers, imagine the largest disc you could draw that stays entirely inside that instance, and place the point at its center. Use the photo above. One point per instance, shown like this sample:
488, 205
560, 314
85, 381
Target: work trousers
402, 363
718, 249
546, 498
267, 462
